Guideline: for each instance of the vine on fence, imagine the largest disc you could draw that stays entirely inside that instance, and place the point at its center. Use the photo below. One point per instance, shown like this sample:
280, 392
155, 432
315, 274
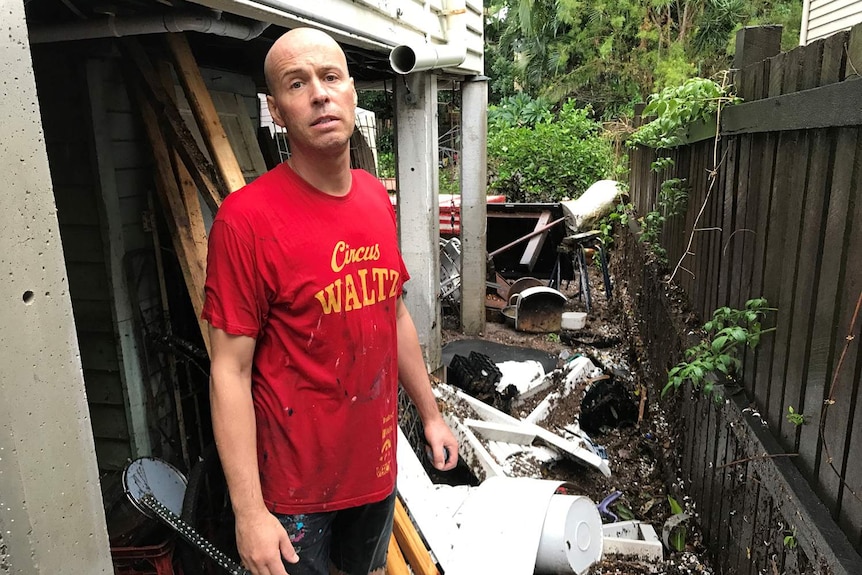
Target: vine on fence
728, 333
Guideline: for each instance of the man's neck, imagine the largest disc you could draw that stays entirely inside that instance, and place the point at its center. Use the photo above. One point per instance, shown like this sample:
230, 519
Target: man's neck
329, 174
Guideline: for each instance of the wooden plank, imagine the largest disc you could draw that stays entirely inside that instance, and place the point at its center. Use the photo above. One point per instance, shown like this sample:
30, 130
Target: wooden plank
827, 106
709, 505
853, 69
204, 111
534, 246
811, 238
723, 202
749, 515
725, 265
812, 65
411, 544
850, 518
395, 563
754, 382
787, 250
793, 70
776, 75
790, 492
774, 263
837, 428
832, 68
193, 268
824, 334
740, 235
197, 232
167, 115
732, 493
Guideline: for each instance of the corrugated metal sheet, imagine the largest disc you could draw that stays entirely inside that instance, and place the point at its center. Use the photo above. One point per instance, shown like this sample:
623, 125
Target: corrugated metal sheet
821, 18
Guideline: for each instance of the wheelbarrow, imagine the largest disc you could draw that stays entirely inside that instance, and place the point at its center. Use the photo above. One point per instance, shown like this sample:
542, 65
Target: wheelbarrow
536, 310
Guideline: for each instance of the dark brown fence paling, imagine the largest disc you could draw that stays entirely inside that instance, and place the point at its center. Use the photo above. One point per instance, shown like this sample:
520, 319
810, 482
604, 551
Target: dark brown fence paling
788, 202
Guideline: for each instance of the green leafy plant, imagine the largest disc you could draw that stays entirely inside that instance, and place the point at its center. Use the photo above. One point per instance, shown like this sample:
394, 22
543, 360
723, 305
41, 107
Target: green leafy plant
448, 182
677, 107
535, 159
606, 225
728, 333
794, 417
679, 533
660, 164
673, 197
790, 539
553, 337
651, 225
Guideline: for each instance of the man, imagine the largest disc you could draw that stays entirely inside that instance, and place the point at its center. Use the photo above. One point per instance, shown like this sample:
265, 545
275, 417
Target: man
309, 337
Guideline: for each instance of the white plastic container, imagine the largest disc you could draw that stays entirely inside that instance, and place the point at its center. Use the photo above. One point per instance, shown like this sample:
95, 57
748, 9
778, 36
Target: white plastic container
574, 320
571, 536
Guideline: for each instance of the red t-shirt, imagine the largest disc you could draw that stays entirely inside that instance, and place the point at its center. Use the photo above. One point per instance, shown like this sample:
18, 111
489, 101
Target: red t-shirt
315, 280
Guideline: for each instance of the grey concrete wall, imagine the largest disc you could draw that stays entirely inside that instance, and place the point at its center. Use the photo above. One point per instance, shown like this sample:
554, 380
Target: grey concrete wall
52, 519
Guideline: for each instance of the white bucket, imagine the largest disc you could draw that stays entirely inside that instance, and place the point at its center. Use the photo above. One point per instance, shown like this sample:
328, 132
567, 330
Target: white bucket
571, 536
574, 320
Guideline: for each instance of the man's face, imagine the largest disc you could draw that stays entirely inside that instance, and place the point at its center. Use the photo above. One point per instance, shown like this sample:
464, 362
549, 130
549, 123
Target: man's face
313, 96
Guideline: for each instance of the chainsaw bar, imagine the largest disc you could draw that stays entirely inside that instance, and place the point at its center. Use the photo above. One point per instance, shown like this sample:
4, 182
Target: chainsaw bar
192, 536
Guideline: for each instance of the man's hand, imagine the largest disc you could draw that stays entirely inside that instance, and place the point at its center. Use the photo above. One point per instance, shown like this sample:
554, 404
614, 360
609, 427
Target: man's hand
444, 446
262, 541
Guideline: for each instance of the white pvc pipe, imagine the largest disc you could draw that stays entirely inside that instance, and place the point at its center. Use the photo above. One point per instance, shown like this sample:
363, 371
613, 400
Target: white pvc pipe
407, 59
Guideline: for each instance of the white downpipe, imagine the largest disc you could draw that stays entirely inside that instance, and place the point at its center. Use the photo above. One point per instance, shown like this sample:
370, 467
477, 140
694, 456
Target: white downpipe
118, 27
405, 59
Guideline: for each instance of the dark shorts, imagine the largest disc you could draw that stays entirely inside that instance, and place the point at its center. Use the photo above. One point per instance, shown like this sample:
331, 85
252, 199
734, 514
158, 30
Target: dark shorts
355, 540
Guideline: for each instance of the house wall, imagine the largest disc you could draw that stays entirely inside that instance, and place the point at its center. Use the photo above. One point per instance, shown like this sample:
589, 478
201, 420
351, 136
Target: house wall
103, 178
61, 84
822, 18
376, 24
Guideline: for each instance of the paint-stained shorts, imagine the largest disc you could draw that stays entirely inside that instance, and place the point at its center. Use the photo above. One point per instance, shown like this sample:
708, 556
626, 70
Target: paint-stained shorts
355, 540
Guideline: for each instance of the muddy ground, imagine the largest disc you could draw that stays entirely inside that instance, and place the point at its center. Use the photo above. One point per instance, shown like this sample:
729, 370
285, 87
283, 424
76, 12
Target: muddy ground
634, 449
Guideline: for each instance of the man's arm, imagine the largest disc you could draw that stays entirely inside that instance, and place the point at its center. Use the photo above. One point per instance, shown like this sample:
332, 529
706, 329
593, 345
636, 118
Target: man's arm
261, 539
414, 378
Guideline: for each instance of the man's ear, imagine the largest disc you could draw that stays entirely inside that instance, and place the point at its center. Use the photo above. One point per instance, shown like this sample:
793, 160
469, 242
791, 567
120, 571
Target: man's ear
355, 95
274, 112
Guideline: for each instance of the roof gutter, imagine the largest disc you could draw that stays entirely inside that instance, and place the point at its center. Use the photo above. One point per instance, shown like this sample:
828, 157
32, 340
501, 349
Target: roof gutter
113, 27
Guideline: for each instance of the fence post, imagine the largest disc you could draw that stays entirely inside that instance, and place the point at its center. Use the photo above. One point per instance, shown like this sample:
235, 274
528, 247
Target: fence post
756, 43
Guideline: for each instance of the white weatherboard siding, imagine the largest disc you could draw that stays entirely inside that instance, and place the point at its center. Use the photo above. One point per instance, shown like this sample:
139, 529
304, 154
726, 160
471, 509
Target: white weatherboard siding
821, 18
376, 24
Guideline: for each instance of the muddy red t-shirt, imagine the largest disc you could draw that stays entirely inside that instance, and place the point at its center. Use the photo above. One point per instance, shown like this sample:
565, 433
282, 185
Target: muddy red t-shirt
315, 280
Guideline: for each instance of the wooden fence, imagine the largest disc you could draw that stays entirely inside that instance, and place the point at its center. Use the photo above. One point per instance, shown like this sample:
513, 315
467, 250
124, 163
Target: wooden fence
781, 219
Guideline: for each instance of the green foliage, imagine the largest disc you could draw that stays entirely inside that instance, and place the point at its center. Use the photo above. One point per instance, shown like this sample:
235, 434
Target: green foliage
678, 534
790, 539
606, 225
661, 164
673, 197
553, 337
519, 111
676, 108
624, 513
651, 225
728, 333
385, 164
795, 418
448, 181
536, 156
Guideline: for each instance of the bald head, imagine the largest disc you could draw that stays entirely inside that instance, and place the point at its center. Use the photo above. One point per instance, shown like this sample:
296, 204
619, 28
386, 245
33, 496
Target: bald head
294, 43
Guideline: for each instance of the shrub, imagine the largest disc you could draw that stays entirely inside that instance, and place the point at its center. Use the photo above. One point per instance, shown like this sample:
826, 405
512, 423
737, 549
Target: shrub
534, 156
